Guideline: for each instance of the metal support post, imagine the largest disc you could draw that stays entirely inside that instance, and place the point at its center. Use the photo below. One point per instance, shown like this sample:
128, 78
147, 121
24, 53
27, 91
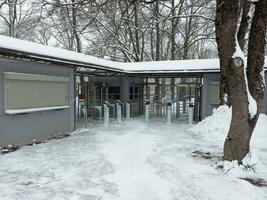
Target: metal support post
147, 111
85, 117
190, 113
106, 114
119, 111
169, 113
128, 110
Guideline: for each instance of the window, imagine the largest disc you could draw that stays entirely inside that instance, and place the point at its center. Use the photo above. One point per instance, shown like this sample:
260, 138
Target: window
114, 93
31, 91
214, 93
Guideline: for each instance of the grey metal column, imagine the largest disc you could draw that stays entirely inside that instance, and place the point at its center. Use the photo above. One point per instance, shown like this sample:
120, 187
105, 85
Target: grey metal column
85, 117
106, 114
118, 105
169, 113
128, 110
190, 114
147, 111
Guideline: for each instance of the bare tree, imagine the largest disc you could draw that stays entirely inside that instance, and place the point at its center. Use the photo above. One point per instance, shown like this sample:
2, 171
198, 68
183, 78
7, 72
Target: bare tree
18, 16
245, 92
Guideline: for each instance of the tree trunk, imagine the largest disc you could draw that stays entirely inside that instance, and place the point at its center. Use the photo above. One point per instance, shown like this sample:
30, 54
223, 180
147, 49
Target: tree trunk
173, 43
236, 145
244, 24
226, 25
137, 42
256, 49
157, 89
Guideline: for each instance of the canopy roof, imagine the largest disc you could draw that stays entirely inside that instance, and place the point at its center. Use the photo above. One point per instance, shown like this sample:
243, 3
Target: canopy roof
38, 51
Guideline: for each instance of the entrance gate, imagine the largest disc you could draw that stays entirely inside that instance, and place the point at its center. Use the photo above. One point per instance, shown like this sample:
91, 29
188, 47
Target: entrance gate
180, 93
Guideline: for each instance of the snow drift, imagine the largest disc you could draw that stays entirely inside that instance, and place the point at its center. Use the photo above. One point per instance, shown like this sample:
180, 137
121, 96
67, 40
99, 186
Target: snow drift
215, 126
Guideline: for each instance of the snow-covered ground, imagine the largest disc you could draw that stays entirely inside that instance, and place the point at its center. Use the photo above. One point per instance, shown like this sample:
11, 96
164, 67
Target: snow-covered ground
136, 161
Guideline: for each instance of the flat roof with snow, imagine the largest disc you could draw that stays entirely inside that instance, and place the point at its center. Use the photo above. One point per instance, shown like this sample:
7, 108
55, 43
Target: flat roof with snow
38, 51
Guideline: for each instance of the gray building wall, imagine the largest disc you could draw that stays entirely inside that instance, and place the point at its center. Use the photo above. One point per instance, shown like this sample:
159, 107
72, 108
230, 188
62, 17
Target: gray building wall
124, 82
206, 105
23, 128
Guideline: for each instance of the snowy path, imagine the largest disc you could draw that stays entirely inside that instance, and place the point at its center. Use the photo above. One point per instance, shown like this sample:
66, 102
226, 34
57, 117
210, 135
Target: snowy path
131, 161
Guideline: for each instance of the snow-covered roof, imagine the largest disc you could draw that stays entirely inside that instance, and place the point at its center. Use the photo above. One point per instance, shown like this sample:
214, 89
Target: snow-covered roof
169, 66
35, 50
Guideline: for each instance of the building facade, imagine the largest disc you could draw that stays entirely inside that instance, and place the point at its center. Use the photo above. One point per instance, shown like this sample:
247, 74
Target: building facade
36, 101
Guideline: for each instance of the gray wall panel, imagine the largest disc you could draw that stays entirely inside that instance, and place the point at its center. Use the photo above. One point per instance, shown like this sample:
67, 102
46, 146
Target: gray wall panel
207, 107
18, 129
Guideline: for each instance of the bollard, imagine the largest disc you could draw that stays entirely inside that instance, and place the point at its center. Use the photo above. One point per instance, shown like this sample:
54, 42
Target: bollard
106, 114
128, 110
169, 113
85, 117
118, 111
190, 113
147, 112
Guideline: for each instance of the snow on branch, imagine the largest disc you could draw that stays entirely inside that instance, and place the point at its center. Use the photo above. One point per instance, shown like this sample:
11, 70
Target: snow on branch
193, 15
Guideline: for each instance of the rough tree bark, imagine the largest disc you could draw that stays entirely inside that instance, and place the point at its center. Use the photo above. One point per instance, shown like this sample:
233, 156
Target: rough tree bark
157, 88
244, 116
226, 20
244, 24
256, 49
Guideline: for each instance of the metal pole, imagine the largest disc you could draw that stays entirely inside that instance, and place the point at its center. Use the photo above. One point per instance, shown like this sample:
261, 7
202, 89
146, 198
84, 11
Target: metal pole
75, 100
106, 115
118, 111
169, 113
147, 112
85, 117
177, 102
128, 110
190, 114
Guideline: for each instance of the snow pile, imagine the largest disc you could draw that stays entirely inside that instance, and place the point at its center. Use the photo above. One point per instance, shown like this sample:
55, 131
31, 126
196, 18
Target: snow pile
259, 136
215, 128
216, 125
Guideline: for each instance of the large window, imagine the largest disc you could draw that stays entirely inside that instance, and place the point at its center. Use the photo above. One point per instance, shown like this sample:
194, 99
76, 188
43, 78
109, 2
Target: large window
214, 91
31, 92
